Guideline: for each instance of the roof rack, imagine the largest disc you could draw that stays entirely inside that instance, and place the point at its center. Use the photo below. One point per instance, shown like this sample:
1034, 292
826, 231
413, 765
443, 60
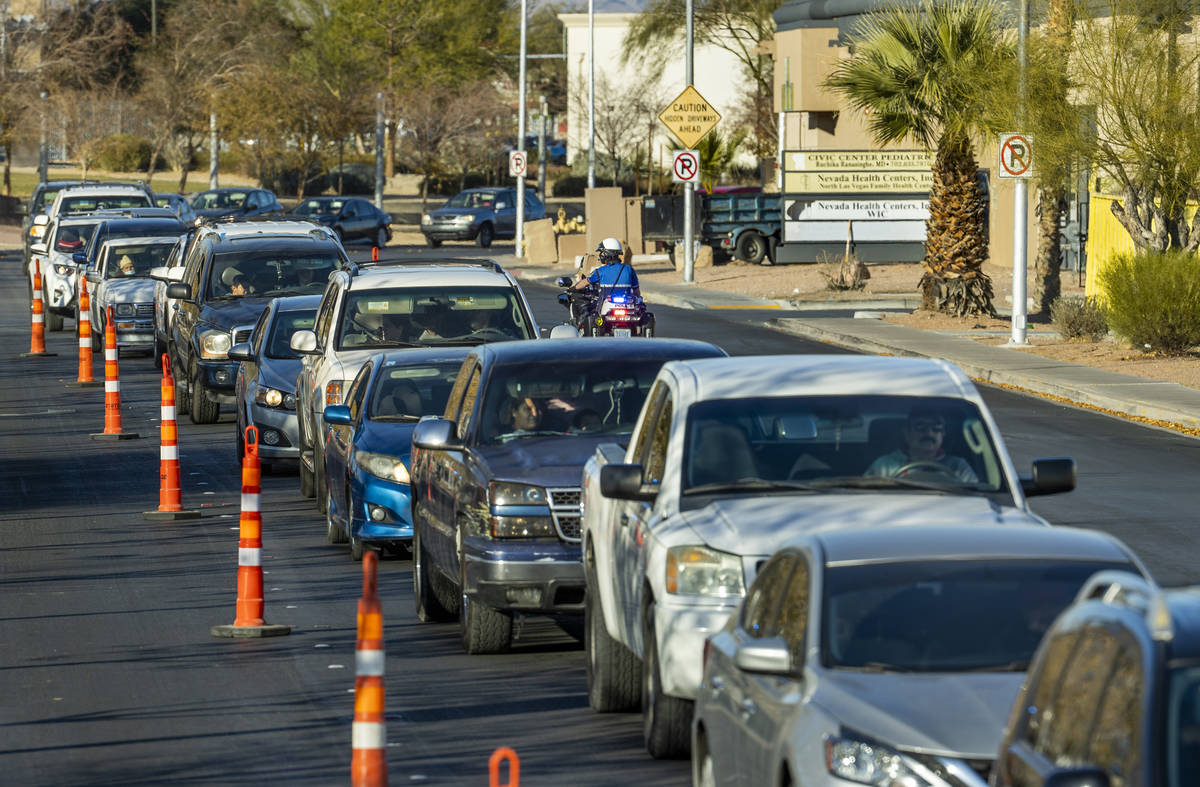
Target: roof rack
356, 268
1134, 592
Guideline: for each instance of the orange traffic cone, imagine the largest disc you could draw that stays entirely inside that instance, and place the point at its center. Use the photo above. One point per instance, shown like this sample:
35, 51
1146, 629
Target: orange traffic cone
514, 767
374, 254
170, 503
84, 378
249, 620
368, 763
112, 386
37, 340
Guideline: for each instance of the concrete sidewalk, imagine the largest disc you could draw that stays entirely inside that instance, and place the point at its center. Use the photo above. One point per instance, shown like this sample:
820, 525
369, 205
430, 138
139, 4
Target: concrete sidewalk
1163, 403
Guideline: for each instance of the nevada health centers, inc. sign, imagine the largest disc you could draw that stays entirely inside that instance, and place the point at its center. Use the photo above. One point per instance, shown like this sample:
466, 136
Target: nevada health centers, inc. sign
830, 195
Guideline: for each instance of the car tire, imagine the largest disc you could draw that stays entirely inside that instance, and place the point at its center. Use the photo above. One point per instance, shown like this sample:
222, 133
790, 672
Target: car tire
666, 720
703, 767
203, 410
752, 247
648, 329
241, 443
159, 349
54, 322
483, 629
357, 547
381, 237
429, 608
433, 243
182, 397
333, 533
485, 236
614, 674
320, 482
307, 486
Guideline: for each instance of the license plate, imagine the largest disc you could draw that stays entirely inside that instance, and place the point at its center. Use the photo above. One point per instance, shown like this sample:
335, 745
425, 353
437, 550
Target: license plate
622, 332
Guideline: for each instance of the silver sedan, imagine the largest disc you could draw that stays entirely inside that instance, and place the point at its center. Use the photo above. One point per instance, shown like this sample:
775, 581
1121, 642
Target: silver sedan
885, 656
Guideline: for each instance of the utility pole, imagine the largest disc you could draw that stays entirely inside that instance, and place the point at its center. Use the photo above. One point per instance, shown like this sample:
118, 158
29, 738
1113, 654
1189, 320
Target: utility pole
689, 188
591, 95
542, 162
44, 155
519, 235
1020, 193
379, 150
214, 143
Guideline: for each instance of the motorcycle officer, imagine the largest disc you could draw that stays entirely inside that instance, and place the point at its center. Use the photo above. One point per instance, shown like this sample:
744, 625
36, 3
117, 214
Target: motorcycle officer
613, 272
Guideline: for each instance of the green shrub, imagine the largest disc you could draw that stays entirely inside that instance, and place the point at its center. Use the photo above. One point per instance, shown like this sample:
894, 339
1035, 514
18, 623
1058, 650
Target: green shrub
1075, 317
123, 153
1153, 299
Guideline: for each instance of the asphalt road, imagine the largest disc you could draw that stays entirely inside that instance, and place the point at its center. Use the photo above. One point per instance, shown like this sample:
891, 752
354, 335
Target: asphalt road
108, 673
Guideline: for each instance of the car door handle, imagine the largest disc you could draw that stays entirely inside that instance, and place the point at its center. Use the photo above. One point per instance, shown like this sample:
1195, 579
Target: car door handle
749, 708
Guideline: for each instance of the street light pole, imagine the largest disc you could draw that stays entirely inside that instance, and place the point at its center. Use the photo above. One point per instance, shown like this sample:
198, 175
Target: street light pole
379, 150
689, 188
542, 131
44, 154
591, 95
519, 236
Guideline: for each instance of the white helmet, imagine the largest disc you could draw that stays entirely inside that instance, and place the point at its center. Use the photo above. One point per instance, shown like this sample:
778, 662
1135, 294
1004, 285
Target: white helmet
609, 250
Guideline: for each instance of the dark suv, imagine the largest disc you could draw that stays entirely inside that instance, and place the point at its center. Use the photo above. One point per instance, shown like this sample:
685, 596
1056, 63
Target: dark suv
496, 482
229, 275
218, 203
1113, 694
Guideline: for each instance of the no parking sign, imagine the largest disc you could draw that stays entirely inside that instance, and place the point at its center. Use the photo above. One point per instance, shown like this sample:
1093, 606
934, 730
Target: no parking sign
685, 166
516, 163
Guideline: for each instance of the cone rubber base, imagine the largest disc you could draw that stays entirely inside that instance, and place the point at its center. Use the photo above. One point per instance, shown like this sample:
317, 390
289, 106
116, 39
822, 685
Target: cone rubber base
120, 436
38, 355
89, 384
169, 516
251, 632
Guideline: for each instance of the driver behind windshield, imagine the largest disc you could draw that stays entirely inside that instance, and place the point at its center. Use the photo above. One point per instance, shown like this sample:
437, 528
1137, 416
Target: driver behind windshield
924, 431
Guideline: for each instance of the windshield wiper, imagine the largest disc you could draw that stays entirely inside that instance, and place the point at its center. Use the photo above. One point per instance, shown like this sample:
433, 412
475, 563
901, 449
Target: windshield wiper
396, 418
751, 485
883, 482
1019, 665
504, 438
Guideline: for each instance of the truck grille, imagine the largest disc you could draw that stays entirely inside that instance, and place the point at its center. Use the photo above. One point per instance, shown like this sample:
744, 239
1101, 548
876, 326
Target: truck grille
567, 512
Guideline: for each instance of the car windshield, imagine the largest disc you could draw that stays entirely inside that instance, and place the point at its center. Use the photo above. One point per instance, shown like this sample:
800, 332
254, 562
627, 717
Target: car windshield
1182, 740
73, 238
565, 397
919, 444
103, 202
282, 328
946, 615
430, 317
271, 272
473, 199
136, 259
405, 393
215, 200
319, 207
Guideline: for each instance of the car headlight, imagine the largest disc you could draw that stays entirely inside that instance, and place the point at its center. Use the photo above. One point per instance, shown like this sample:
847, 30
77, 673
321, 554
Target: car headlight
426, 218
124, 310
507, 494
214, 344
463, 219
389, 468
866, 762
64, 270
273, 397
700, 571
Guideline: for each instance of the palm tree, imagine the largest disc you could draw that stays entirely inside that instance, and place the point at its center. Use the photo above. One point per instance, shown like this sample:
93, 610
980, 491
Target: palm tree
925, 71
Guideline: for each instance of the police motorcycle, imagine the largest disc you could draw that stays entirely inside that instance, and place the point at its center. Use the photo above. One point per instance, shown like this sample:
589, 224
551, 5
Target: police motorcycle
606, 310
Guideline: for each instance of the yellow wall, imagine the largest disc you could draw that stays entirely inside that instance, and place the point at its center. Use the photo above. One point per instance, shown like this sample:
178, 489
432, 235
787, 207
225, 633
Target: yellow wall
1106, 237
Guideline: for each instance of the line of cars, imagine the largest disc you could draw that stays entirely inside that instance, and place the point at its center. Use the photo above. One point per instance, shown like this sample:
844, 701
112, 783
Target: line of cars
795, 577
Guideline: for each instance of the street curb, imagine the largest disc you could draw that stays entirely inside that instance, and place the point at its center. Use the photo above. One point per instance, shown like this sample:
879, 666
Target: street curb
992, 376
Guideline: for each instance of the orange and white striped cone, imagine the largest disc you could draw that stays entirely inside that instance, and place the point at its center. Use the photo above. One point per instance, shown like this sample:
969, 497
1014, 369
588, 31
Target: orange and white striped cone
170, 500
374, 254
84, 379
368, 763
500, 755
37, 338
249, 619
112, 386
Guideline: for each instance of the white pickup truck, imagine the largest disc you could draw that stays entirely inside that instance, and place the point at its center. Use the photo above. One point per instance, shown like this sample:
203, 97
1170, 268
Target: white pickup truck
732, 456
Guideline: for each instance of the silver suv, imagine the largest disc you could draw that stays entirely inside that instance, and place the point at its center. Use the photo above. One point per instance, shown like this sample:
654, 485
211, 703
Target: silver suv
371, 308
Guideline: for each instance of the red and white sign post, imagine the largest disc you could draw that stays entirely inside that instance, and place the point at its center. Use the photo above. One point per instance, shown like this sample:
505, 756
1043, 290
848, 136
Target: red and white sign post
1016, 162
685, 166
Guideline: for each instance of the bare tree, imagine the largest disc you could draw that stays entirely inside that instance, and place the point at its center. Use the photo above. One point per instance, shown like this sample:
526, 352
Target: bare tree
618, 121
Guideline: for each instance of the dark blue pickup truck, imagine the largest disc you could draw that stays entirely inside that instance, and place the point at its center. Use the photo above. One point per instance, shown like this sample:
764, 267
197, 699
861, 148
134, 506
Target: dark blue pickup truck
496, 481
744, 224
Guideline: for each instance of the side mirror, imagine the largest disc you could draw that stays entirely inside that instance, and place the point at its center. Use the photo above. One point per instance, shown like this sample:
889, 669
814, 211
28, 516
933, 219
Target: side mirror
159, 273
501, 205
624, 482
1050, 476
175, 273
564, 281
304, 342
79, 257
337, 415
37, 248
93, 277
241, 352
436, 433
41, 219
179, 291
1085, 776
769, 656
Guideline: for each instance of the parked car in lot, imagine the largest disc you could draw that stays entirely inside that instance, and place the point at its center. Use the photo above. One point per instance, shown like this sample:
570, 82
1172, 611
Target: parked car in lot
481, 215
731, 458
496, 480
885, 655
265, 388
121, 279
369, 308
65, 236
231, 271
240, 202
1113, 694
367, 458
353, 219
